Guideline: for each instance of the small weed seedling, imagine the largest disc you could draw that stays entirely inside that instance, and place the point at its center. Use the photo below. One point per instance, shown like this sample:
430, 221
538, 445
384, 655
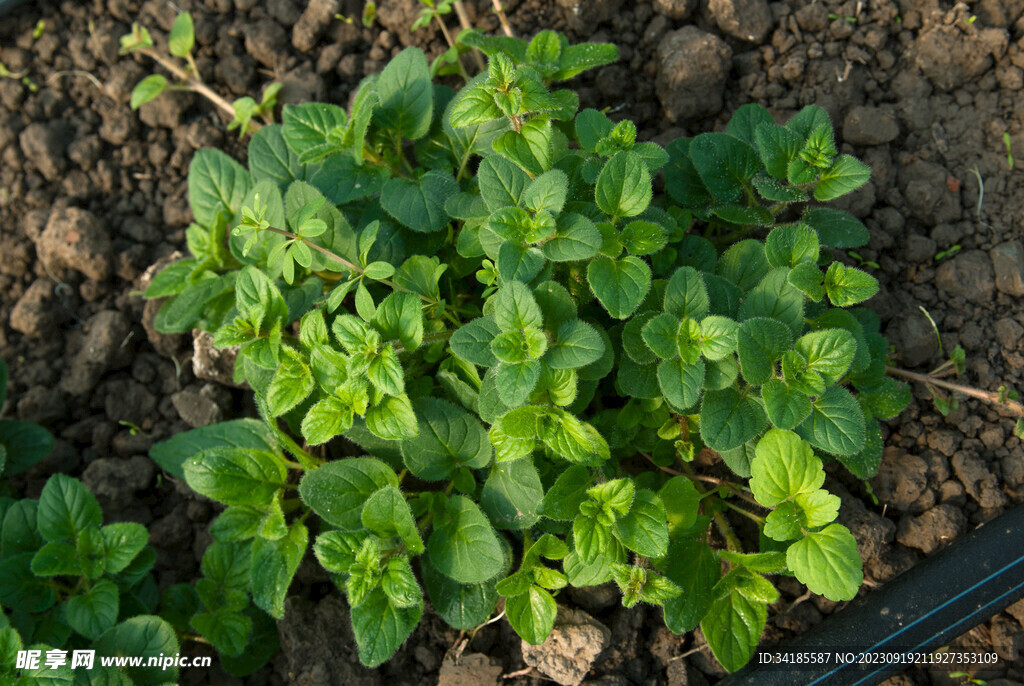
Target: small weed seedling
480, 290
943, 254
1009, 150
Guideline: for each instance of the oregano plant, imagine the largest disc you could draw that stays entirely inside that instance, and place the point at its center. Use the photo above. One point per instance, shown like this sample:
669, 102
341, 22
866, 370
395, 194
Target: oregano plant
528, 348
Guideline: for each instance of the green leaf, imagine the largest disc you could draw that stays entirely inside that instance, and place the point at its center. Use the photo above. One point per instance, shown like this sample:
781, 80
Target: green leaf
291, 384
828, 352
385, 372
827, 562
19, 533
516, 308
819, 507
236, 476
562, 501
624, 186
183, 35
95, 611
342, 180
502, 183
788, 246
215, 181
20, 589
89, 548
474, 105
461, 606
661, 334
25, 444
419, 205
786, 407
337, 490
582, 56
643, 237
620, 285
836, 424
778, 147
744, 264
718, 337
682, 502
238, 433
406, 95
228, 632
865, 464
848, 285
808, 279
512, 494
644, 529
681, 382
516, 381
836, 228
691, 565
591, 127
307, 129
472, 341
576, 238
393, 419
785, 522
733, 627
270, 158
725, 164
386, 514
147, 89
380, 627
846, 174
449, 438
729, 419
274, 563
144, 636
463, 545
122, 541
760, 344
746, 120
66, 507
400, 585
531, 148
783, 467
532, 614
577, 344
325, 420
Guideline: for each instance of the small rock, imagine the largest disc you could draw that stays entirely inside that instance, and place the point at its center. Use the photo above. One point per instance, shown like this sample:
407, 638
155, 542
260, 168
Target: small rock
38, 312
317, 16
210, 363
813, 17
932, 530
870, 126
266, 41
129, 401
571, 649
318, 644
116, 480
951, 58
919, 249
583, 16
914, 338
101, 351
41, 405
969, 275
44, 145
873, 532
75, 240
675, 9
1008, 263
901, 479
978, 481
928, 196
991, 436
1007, 638
693, 67
748, 20
199, 406
1008, 332
470, 669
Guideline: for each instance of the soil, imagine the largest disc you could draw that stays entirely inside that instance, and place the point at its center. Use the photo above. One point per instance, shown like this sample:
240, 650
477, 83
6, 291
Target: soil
92, 194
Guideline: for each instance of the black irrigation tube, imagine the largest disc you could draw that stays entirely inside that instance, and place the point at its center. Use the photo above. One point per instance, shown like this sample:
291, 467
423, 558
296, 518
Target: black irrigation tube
8, 5
913, 615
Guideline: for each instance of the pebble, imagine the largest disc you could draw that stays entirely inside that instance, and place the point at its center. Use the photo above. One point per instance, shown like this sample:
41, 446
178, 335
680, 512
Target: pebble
693, 67
1008, 264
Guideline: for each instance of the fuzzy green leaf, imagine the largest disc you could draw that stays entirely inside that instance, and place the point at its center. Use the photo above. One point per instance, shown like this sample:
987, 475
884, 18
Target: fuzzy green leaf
828, 563
836, 424
624, 186
236, 476
729, 419
337, 490
380, 627
783, 466
449, 438
620, 285
463, 546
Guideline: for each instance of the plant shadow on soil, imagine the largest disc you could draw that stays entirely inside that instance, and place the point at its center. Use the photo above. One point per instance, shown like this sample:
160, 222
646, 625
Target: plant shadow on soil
919, 89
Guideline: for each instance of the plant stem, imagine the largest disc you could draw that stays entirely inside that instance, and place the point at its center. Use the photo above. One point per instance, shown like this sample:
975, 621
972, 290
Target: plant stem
732, 542
746, 513
987, 396
451, 44
194, 84
500, 11
460, 11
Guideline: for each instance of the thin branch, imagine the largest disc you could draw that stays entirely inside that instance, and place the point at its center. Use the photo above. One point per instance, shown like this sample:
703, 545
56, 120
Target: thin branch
500, 11
987, 396
460, 10
194, 84
451, 44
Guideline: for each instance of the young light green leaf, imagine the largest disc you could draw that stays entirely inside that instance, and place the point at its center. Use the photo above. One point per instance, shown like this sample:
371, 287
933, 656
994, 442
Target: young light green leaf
532, 614
291, 384
644, 529
393, 419
783, 467
828, 352
846, 174
562, 501
733, 627
147, 89
182, 38
828, 563
848, 285
786, 407
386, 514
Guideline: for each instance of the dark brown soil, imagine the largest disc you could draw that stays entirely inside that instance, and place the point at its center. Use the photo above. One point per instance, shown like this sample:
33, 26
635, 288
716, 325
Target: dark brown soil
92, 194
